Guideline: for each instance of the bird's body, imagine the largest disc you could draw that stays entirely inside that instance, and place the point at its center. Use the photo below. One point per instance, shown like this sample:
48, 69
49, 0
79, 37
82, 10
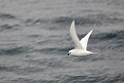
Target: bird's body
80, 46
79, 52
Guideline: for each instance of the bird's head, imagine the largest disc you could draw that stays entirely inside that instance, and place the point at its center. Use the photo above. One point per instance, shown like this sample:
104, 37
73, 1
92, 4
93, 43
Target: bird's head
71, 52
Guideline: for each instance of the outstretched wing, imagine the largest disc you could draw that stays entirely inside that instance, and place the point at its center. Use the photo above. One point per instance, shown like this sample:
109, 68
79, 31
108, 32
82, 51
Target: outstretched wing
84, 40
74, 37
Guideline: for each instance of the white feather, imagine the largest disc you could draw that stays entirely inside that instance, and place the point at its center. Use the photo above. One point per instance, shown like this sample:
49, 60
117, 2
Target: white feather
84, 40
74, 37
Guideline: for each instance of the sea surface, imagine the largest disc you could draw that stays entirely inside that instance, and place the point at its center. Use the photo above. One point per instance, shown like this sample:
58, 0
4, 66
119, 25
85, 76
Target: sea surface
35, 40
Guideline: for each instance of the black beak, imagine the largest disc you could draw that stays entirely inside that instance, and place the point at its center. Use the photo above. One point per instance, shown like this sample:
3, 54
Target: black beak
68, 54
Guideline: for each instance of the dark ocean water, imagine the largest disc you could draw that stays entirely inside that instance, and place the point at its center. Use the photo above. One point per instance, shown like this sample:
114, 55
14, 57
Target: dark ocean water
35, 40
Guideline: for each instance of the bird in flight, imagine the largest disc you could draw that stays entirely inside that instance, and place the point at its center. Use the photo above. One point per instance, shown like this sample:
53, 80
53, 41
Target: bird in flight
80, 45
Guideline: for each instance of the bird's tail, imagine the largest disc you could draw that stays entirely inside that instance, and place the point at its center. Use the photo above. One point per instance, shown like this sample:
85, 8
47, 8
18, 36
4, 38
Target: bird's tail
94, 53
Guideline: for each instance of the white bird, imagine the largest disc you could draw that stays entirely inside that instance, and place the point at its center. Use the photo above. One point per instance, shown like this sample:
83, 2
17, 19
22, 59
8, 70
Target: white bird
80, 46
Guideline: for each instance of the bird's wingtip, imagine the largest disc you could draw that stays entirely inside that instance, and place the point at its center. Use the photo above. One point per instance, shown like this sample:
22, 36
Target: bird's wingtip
73, 21
91, 29
94, 53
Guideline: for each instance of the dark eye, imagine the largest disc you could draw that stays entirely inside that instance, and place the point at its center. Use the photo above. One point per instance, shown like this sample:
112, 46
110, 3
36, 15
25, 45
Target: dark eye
69, 53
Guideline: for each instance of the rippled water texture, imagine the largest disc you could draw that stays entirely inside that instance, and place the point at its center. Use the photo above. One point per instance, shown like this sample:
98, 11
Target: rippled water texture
35, 40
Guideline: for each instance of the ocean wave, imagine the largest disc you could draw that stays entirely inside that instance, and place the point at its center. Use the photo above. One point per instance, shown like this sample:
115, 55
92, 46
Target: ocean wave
65, 20
6, 16
14, 51
116, 35
116, 78
26, 80
53, 50
90, 19
19, 70
5, 27
9, 68
93, 78
97, 19
113, 40
11, 27
31, 21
